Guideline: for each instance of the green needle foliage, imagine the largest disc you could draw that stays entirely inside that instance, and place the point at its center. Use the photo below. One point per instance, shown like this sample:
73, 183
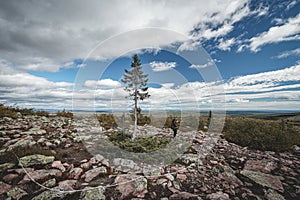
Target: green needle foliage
136, 85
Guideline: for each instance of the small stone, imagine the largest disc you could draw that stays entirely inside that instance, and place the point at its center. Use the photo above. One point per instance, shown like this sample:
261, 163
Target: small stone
169, 176
273, 195
67, 184
218, 196
105, 162
214, 162
75, 173
10, 177
183, 195
50, 183
148, 171
93, 173
83, 161
58, 165
161, 181
181, 176
86, 166
96, 159
4, 187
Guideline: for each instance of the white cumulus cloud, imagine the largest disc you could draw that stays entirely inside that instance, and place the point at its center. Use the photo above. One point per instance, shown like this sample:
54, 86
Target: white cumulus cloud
162, 66
286, 32
104, 83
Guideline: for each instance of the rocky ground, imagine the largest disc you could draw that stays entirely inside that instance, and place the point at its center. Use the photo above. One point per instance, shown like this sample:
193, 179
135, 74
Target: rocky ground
48, 158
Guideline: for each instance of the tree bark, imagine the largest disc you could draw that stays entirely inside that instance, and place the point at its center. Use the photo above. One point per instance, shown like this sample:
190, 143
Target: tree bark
135, 115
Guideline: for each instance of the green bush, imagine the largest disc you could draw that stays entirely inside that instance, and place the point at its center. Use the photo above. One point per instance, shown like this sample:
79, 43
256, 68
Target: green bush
142, 119
168, 121
64, 113
42, 113
107, 121
11, 111
140, 144
260, 134
203, 124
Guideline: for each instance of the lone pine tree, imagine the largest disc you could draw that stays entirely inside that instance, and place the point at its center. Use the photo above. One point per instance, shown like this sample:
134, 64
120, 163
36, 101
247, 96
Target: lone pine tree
136, 85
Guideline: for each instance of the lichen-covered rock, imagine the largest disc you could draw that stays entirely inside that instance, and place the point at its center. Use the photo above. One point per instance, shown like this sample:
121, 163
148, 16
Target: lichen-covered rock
6, 166
90, 193
50, 183
54, 193
16, 193
22, 143
263, 179
35, 159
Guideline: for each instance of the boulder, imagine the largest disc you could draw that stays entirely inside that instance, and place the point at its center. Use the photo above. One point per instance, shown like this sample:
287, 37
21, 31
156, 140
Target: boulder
35, 159
265, 180
129, 184
41, 175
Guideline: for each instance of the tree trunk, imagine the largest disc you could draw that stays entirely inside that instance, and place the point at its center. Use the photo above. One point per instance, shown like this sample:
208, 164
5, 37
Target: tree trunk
135, 116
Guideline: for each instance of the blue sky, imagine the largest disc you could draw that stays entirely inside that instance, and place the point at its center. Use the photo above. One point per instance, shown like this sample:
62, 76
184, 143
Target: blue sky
53, 57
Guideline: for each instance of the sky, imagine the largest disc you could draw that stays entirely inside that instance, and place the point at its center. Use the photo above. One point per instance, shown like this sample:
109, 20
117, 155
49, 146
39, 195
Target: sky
219, 54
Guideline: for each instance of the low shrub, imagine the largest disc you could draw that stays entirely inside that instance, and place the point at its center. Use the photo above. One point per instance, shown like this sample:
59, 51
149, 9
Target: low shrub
260, 134
142, 119
168, 121
12, 111
42, 113
140, 144
107, 121
65, 113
